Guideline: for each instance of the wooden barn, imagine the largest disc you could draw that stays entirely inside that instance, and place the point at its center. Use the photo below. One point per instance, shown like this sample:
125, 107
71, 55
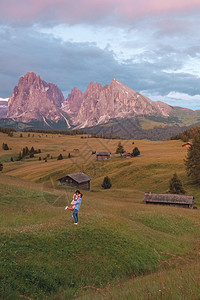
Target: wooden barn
169, 199
78, 180
126, 155
102, 155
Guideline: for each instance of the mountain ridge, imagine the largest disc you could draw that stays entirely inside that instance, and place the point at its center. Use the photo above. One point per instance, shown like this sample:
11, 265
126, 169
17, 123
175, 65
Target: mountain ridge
35, 102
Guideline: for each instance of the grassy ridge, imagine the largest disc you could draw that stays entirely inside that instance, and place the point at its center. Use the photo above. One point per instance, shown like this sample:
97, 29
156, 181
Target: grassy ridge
42, 254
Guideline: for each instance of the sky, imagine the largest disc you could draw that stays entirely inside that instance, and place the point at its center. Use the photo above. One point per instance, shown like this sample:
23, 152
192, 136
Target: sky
151, 46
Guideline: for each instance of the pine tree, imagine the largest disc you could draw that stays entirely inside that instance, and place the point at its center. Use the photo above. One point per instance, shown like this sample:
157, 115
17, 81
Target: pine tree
192, 161
136, 151
106, 183
5, 146
119, 149
60, 157
11, 159
175, 185
32, 150
1, 166
69, 155
26, 150
20, 156
23, 152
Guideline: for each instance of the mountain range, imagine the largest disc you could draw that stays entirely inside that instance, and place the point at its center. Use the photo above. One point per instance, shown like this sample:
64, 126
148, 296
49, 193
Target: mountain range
35, 100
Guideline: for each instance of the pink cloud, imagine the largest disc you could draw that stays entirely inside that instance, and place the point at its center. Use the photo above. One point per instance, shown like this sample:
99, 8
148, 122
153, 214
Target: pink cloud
89, 10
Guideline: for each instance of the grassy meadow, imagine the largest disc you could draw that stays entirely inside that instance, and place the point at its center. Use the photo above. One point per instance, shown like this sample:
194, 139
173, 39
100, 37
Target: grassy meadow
121, 248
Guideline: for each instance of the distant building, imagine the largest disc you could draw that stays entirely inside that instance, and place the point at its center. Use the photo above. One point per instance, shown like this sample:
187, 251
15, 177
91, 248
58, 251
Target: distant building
187, 145
102, 155
169, 199
126, 155
79, 180
76, 150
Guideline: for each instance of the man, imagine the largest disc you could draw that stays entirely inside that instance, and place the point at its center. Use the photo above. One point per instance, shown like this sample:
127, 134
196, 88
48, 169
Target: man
77, 204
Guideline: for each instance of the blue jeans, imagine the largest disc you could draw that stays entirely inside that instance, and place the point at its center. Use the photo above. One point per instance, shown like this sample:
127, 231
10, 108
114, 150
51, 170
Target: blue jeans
75, 215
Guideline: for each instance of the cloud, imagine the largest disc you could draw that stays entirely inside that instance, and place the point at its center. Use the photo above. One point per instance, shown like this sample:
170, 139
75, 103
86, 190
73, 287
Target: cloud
177, 99
89, 11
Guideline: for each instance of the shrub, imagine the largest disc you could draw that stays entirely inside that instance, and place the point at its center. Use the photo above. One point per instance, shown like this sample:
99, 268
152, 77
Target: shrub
120, 148
136, 151
106, 183
176, 185
60, 157
5, 146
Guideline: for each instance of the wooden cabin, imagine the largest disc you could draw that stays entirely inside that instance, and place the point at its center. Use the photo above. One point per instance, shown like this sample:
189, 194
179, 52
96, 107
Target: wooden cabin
126, 155
102, 155
169, 199
78, 180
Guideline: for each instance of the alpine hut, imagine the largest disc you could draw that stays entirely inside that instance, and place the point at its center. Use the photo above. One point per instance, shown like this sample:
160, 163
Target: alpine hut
169, 199
79, 180
102, 155
126, 155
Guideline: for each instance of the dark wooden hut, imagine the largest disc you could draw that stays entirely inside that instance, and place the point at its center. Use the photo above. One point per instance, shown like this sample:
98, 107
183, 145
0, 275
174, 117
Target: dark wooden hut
102, 155
169, 199
79, 180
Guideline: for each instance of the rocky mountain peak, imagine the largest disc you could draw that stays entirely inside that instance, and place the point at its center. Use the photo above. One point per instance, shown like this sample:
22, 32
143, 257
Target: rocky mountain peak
34, 98
100, 103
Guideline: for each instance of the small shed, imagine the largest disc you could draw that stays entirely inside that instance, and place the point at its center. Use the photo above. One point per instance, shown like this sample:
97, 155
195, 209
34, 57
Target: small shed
187, 145
102, 155
126, 155
169, 199
79, 180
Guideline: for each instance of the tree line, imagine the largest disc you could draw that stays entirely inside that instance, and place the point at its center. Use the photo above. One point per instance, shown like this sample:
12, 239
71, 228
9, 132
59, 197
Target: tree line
7, 130
187, 134
52, 131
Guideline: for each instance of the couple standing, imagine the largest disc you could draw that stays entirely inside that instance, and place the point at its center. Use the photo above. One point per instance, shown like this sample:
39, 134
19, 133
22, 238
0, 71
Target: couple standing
76, 203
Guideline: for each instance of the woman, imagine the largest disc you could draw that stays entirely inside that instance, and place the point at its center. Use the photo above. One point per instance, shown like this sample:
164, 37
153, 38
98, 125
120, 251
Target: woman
77, 204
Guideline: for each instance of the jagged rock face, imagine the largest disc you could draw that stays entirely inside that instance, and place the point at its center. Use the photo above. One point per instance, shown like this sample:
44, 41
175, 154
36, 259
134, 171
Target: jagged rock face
100, 103
33, 98
73, 103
